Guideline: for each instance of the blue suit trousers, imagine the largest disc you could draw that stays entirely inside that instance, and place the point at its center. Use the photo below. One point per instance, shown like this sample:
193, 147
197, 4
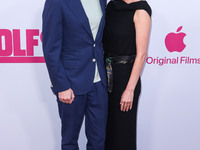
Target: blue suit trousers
93, 105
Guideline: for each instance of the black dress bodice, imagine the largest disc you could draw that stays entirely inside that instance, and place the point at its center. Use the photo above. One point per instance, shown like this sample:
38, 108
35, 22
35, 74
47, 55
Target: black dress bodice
119, 34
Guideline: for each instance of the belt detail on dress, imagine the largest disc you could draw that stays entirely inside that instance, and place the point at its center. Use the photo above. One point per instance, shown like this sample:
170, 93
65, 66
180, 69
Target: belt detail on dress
109, 61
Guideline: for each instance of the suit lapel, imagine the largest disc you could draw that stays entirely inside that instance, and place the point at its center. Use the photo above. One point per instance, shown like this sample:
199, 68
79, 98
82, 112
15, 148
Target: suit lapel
102, 19
102, 6
78, 10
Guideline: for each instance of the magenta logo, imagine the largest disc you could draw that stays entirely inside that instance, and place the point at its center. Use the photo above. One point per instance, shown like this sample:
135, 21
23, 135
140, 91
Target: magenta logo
174, 41
10, 46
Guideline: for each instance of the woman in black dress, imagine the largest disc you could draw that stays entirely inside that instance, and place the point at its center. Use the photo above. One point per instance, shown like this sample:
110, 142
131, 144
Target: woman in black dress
125, 40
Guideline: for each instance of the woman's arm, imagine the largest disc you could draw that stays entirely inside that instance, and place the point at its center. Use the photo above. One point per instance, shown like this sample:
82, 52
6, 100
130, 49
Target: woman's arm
142, 22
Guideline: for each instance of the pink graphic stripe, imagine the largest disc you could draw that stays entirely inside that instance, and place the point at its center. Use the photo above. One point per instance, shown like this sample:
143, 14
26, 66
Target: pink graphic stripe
22, 60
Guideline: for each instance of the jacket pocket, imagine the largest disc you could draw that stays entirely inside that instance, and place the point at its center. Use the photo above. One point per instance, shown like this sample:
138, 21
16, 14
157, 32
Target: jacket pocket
67, 63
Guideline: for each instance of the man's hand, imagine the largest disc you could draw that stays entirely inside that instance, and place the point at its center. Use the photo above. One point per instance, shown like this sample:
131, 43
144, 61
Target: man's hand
66, 96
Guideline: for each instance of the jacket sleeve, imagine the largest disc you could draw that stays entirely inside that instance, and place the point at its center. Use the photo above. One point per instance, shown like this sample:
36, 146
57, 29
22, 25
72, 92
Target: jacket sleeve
52, 44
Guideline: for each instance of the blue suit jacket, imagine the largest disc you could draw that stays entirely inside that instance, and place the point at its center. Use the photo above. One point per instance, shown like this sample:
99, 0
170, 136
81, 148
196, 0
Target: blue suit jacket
69, 48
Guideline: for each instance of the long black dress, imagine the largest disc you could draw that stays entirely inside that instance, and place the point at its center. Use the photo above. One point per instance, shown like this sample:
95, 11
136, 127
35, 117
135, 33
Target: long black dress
120, 40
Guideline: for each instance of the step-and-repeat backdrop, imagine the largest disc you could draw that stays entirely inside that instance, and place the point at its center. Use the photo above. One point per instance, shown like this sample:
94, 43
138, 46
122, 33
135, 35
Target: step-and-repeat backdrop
168, 117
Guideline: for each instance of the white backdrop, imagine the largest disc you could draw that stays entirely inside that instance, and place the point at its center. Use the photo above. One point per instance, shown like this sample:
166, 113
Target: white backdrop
169, 108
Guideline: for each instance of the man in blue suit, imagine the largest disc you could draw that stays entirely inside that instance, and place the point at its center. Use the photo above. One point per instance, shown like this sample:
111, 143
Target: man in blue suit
72, 45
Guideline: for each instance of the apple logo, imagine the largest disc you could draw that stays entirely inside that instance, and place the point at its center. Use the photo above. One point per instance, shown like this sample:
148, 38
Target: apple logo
174, 41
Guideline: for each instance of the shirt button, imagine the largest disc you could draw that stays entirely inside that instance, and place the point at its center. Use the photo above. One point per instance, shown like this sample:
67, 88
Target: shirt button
94, 45
94, 60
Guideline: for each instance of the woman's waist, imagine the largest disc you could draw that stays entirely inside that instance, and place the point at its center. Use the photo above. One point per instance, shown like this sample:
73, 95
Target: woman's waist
120, 59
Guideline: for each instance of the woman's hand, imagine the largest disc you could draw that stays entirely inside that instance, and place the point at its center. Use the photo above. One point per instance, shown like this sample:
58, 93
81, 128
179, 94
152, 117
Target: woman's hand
127, 100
